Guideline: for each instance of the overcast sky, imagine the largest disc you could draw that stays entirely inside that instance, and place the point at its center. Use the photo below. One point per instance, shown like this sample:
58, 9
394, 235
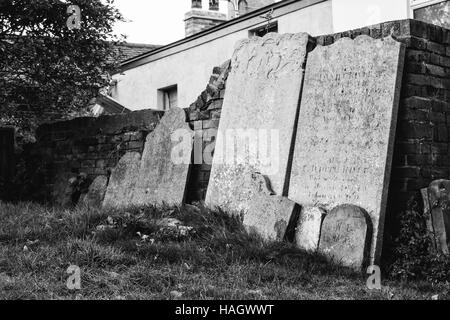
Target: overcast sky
153, 21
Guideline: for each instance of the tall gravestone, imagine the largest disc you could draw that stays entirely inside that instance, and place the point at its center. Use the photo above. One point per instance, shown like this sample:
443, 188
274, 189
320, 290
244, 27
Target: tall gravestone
258, 118
160, 175
348, 114
165, 163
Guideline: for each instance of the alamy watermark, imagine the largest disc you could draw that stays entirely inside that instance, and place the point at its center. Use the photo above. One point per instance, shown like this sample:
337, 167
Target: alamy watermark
256, 147
74, 20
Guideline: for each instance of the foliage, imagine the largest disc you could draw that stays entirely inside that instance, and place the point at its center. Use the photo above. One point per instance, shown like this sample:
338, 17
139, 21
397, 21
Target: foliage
415, 256
46, 69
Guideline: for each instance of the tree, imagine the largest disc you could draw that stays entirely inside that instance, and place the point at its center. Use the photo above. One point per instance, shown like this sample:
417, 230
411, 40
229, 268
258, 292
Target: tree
47, 69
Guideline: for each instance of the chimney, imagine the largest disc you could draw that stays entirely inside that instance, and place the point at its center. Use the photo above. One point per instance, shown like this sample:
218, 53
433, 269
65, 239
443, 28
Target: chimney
238, 8
200, 18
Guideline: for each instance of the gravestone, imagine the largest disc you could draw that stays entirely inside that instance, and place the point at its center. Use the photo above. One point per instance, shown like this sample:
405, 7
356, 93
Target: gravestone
346, 236
307, 234
96, 193
437, 204
165, 163
268, 215
122, 181
258, 117
346, 129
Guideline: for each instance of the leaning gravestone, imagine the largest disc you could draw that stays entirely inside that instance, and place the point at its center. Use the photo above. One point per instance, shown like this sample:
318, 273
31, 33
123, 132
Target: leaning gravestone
437, 202
165, 163
96, 193
346, 236
268, 215
307, 233
122, 181
258, 117
346, 128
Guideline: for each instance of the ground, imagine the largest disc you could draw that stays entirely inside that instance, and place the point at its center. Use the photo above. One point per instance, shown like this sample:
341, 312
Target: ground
138, 254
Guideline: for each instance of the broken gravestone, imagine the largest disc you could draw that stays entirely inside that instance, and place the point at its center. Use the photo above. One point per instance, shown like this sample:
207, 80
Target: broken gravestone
437, 204
346, 129
346, 236
122, 181
96, 193
165, 162
307, 234
258, 117
268, 215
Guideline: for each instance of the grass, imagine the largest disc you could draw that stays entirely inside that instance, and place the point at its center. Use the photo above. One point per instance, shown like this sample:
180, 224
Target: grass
217, 259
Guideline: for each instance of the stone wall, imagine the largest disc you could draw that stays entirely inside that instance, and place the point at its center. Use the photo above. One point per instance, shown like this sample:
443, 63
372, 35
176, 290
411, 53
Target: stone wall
90, 146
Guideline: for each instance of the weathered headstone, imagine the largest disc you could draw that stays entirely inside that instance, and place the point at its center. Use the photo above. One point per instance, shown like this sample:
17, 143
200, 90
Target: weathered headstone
165, 162
307, 234
346, 236
268, 215
438, 195
258, 117
346, 130
96, 193
122, 181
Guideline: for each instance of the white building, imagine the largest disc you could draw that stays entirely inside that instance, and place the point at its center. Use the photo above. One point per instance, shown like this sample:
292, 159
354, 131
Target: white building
175, 74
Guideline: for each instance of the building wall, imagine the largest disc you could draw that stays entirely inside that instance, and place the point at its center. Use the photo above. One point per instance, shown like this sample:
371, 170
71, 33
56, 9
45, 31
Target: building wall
137, 88
352, 14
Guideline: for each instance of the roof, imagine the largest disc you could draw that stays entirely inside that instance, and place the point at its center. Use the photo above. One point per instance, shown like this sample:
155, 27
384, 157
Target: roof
128, 51
284, 5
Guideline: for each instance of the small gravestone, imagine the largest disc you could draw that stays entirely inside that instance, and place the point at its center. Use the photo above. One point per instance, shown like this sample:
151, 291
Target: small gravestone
122, 181
346, 129
268, 215
346, 236
96, 193
258, 117
165, 163
307, 234
438, 195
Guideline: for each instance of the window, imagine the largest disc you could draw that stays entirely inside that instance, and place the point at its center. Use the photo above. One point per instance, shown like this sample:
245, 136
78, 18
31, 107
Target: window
168, 97
432, 11
214, 5
263, 30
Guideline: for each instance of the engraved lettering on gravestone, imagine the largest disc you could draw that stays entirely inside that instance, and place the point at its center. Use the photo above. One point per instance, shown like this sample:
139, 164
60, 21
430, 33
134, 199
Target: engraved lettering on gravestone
346, 128
263, 90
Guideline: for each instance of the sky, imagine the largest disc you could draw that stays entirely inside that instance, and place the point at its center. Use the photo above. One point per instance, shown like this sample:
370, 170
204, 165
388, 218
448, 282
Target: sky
153, 21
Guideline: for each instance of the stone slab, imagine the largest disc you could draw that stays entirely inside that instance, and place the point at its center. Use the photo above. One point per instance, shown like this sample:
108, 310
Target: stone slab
346, 236
165, 163
439, 199
307, 234
122, 181
96, 193
262, 98
268, 215
346, 129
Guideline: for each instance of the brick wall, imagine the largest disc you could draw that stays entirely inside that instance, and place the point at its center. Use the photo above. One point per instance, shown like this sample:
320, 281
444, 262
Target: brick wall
203, 116
90, 146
